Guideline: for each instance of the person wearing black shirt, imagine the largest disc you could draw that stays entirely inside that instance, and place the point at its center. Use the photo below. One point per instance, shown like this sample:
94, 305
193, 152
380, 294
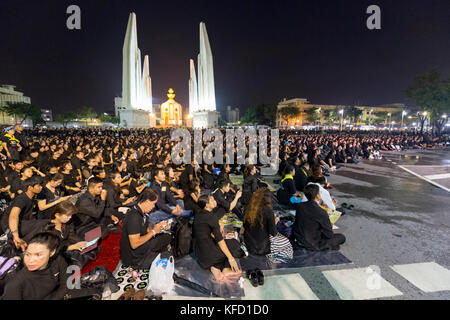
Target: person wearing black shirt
167, 206
259, 223
312, 228
50, 196
113, 199
91, 207
44, 276
212, 251
19, 219
250, 183
141, 242
11, 144
223, 201
187, 175
71, 185
77, 162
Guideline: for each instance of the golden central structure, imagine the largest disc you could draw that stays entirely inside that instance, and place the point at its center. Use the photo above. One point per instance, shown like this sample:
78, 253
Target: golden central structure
171, 112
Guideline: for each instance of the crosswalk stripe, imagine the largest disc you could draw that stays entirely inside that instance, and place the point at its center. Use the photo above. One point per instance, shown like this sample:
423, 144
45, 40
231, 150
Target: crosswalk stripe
427, 276
360, 284
438, 176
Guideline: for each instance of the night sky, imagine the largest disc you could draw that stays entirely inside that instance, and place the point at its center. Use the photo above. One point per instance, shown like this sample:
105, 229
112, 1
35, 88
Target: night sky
263, 50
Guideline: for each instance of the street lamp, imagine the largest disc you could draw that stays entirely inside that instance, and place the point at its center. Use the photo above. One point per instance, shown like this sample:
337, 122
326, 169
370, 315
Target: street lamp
404, 113
341, 112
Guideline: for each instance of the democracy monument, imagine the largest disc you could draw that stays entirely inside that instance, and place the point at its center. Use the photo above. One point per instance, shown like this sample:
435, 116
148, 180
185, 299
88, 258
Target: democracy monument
135, 107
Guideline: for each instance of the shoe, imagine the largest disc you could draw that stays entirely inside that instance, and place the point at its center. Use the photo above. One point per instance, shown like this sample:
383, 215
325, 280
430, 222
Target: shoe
139, 295
260, 277
253, 277
127, 295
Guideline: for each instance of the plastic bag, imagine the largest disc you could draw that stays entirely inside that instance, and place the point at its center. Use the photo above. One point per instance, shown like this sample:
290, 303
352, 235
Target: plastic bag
160, 279
326, 198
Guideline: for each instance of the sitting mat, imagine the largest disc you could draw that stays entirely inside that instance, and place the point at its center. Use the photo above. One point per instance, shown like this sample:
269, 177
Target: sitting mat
302, 258
189, 269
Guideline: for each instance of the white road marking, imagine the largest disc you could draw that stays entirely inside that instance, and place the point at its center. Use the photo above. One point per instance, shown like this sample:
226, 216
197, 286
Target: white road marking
438, 176
427, 180
360, 284
282, 287
427, 276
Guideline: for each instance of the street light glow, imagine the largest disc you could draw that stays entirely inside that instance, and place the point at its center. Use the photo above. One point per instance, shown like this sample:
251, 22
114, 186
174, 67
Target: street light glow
341, 111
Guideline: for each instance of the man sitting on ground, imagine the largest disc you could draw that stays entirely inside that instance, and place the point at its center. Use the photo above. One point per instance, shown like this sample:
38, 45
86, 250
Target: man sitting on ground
140, 241
312, 227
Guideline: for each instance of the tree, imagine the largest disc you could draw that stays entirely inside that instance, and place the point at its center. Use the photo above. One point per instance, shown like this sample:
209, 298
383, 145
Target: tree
87, 112
107, 118
250, 116
353, 113
430, 94
20, 111
65, 118
289, 112
313, 115
221, 122
269, 112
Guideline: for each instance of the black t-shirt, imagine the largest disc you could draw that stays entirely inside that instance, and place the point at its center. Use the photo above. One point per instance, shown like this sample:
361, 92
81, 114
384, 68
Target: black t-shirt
46, 194
205, 247
26, 206
136, 222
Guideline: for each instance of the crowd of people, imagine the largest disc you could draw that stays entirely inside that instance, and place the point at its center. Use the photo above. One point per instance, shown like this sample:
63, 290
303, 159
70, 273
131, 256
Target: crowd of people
58, 184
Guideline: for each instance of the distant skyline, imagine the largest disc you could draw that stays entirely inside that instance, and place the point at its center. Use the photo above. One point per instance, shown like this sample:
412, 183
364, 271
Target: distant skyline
263, 51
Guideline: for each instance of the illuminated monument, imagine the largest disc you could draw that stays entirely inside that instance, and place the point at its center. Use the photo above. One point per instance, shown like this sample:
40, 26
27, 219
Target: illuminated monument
135, 106
202, 98
171, 112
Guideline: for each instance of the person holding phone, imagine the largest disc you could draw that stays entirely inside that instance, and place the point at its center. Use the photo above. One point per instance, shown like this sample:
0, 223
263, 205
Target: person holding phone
141, 241
212, 250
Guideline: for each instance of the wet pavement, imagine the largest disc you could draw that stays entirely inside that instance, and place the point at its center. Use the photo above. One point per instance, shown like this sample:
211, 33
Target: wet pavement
398, 218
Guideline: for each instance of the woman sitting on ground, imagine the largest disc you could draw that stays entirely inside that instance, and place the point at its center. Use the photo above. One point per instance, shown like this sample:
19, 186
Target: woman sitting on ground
212, 251
70, 246
318, 177
191, 198
260, 229
250, 183
44, 276
50, 196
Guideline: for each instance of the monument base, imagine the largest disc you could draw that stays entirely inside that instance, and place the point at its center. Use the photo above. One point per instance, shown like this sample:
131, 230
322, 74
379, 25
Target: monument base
206, 119
134, 119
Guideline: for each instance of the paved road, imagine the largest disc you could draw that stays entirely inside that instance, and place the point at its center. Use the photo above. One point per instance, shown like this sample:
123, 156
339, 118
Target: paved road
398, 218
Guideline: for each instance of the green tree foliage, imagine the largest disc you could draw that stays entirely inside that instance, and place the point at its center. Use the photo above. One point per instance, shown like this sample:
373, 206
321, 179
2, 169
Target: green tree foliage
353, 113
65, 118
289, 112
250, 116
262, 114
313, 115
221, 122
107, 118
331, 116
429, 92
20, 111
87, 112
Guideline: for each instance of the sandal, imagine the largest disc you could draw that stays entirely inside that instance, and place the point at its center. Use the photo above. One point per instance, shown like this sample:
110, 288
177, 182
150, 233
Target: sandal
350, 207
344, 205
260, 277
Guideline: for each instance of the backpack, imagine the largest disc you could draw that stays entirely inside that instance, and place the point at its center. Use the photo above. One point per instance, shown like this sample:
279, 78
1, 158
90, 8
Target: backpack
182, 240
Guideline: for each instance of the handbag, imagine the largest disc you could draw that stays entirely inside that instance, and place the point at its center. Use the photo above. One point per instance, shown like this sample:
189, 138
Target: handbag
98, 278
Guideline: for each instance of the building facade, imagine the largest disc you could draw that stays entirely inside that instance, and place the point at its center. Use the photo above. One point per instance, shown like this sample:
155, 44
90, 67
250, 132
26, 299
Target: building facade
8, 94
231, 115
304, 105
